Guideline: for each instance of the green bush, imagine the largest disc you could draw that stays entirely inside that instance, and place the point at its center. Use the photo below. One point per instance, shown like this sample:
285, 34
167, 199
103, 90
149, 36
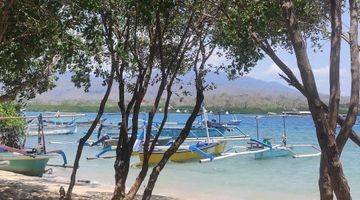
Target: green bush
11, 130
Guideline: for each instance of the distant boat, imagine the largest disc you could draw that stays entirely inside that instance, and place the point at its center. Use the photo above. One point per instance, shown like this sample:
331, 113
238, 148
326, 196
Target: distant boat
234, 121
271, 113
53, 125
302, 113
52, 129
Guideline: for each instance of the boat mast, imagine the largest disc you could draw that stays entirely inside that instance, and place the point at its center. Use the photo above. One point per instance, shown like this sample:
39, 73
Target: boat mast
206, 123
41, 136
257, 127
284, 136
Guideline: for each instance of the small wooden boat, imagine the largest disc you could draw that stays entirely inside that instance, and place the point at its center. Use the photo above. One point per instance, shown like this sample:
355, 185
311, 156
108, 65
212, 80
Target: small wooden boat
53, 129
264, 149
32, 161
162, 141
207, 149
31, 165
186, 153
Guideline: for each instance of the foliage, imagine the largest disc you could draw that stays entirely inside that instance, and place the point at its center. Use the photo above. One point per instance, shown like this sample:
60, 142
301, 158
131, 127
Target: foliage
30, 48
241, 18
11, 130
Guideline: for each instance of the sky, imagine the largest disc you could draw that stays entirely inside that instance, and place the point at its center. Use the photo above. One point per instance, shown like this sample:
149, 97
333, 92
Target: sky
267, 70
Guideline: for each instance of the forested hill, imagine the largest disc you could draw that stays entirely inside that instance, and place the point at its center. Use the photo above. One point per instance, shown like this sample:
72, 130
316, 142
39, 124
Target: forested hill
241, 93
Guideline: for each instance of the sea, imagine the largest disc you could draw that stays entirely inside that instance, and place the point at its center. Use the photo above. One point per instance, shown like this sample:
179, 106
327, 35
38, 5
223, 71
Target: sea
242, 177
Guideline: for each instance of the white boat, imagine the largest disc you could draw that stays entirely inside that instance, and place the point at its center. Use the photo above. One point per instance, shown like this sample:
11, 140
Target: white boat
264, 149
53, 129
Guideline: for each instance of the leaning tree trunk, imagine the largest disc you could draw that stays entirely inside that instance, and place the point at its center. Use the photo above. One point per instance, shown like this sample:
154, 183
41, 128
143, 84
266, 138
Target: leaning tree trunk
325, 187
88, 134
325, 134
184, 133
122, 162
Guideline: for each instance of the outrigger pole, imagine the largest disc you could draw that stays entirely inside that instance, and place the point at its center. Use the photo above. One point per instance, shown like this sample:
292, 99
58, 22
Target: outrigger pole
257, 127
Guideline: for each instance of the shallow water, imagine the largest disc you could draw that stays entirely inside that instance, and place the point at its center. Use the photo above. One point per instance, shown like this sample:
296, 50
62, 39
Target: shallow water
233, 178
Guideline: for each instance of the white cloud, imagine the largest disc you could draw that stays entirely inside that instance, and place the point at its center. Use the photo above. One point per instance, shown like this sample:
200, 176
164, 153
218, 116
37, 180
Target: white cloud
270, 73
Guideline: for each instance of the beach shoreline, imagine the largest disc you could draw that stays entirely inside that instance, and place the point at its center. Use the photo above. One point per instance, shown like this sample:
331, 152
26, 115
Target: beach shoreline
17, 186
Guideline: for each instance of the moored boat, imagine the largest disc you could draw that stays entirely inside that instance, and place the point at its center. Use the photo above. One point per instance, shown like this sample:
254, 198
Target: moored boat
54, 129
162, 141
207, 149
187, 153
31, 165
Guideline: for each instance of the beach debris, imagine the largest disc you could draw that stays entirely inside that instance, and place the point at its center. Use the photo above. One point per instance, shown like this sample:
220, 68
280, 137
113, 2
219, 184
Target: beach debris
62, 193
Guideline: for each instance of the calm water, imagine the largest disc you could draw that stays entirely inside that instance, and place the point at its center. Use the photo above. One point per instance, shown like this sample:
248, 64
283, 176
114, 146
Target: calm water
233, 178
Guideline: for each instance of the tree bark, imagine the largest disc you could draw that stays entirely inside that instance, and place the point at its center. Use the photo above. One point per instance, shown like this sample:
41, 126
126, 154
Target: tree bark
183, 134
89, 133
325, 187
336, 30
124, 147
325, 134
350, 119
144, 169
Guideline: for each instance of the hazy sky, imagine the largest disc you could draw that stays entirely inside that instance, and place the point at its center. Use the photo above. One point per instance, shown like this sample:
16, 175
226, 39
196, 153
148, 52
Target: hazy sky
268, 71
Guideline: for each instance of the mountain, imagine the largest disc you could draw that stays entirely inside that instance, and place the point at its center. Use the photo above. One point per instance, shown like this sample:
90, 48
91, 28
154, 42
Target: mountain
244, 91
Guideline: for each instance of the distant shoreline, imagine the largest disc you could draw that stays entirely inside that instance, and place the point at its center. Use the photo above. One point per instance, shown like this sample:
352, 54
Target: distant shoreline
112, 108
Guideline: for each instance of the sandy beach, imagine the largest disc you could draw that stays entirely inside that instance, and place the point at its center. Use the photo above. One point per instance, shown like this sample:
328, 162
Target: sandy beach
20, 187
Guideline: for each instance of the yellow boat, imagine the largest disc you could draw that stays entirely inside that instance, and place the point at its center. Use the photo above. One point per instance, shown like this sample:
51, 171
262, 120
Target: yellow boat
185, 154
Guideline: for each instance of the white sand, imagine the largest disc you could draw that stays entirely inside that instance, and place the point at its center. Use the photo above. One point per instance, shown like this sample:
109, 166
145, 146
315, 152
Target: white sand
16, 186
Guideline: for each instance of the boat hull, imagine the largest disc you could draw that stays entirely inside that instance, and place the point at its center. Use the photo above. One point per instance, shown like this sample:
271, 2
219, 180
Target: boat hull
162, 141
27, 165
183, 155
54, 130
272, 153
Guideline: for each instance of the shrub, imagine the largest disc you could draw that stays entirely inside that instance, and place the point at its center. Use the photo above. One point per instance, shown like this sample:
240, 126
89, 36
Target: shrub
11, 130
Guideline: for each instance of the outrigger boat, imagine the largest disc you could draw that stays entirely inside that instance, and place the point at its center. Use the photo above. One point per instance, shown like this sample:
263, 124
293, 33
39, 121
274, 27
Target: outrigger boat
52, 127
200, 132
265, 149
23, 162
216, 131
207, 149
30, 162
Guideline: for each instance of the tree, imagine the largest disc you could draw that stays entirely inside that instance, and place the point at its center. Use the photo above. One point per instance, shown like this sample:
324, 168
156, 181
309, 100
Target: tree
137, 39
145, 44
11, 130
302, 19
31, 44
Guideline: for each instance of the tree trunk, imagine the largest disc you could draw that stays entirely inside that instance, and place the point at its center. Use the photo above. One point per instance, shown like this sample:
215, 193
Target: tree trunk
325, 134
145, 165
331, 158
89, 133
335, 15
121, 167
325, 188
181, 138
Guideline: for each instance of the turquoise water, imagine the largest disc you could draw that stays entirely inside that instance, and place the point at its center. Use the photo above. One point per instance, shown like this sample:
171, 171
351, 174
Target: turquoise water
234, 178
